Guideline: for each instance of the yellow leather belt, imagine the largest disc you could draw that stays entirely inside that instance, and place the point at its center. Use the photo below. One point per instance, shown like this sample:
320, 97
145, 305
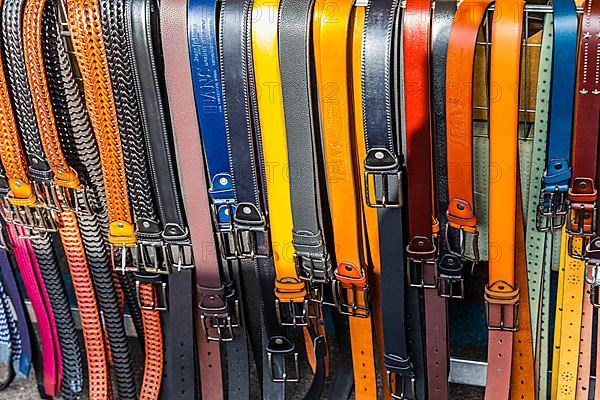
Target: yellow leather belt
501, 293
86, 34
334, 90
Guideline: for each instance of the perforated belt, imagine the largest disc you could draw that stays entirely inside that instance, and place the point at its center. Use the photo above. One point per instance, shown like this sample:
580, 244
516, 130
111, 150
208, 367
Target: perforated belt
209, 297
501, 293
87, 37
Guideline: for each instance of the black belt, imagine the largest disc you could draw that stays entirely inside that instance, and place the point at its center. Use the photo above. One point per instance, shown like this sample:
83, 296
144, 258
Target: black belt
40, 173
403, 351
80, 151
174, 255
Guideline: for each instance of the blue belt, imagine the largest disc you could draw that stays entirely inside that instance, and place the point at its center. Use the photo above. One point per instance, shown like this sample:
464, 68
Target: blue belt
208, 90
552, 207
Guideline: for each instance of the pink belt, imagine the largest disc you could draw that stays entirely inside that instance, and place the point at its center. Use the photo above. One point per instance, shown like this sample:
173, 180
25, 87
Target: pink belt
36, 291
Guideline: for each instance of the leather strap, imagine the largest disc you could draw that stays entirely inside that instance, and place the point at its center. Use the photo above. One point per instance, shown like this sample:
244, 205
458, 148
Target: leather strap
501, 293
209, 294
87, 38
421, 251
351, 285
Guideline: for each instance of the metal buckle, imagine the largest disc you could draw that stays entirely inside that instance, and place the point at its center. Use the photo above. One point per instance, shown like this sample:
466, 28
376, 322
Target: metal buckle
305, 267
179, 255
161, 301
502, 325
46, 195
121, 252
293, 313
75, 200
418, 261
552, 210
399, 391
382, 170
225, 232
462, 251
573, 252
33, 218
246, 243
346, 291
280, 347
149, 257
216, 320
580, 215
450, 286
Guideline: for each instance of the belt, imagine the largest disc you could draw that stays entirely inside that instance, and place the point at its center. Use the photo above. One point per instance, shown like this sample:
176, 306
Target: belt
421, 251
82, 155
45, 197
351, 288
87, 38
460, 214
172, 253
380, 95
10, 341
552, 203
68, 186
501, 293
210, 301
582, 193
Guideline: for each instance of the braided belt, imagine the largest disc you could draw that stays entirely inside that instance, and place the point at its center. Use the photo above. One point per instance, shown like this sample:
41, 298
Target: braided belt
87, 37
41, 191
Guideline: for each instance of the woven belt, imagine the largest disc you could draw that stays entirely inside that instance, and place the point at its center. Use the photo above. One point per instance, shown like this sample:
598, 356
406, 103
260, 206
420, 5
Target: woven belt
87, 38
351, 288
210, 293
502, 294
421, 250
45, 196
10, 340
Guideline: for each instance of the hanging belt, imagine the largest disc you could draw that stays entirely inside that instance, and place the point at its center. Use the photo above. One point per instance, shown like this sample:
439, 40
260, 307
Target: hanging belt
172, 253
552, 207
421, 251
45, 197
202, 33
351, 288
69, 188
87, 38
210, 293
502, 294
582, 193
460, 214
81, 154
10, 340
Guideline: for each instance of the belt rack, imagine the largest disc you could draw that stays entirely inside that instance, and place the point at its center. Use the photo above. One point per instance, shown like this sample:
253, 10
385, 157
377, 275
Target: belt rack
462, 371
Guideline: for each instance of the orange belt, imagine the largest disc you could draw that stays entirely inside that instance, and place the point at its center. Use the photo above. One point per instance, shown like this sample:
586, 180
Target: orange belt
86, 34
501, 293
65, 178
351, 284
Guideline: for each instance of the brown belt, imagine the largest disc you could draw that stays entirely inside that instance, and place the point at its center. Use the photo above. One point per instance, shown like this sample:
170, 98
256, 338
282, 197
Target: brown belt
502, 294
66, 179
87, 38
173, 14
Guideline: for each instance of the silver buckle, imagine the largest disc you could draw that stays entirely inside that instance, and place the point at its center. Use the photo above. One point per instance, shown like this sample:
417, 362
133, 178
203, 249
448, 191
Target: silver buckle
179, 255
305, 267
33, 219
450, 286
161, 303
552, 217
579, 215
346, 292
290, 313
221, 323
280, 347
149, 257
75, 200
46, 195
462, 251
399, 391
246, 244
225, 231
421, 254
502, 323
119, 259
382, 176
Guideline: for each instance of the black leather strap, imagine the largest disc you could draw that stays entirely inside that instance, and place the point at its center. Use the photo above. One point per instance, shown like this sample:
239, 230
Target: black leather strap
179, 378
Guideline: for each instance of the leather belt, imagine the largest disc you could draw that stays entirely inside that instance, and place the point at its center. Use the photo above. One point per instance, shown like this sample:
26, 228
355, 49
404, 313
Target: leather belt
582, 195
87, 38
67, 185
501, 293
209, 296
552, 207
163, 245
81, 154
351, 287
421, 250
45, 197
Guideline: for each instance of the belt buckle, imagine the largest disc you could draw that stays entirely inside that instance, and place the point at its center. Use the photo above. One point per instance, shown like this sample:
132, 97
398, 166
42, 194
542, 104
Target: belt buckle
46, 195
421, 254
160, 300
246, 243
149, 257
281, 348
216, 320
33, 219
504, 301
350, 280
75, 200
450, 285
225, 231
552, 210
398, 391
592, 278
315, 271
179, 255
462, 235
120, 252
382, 177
